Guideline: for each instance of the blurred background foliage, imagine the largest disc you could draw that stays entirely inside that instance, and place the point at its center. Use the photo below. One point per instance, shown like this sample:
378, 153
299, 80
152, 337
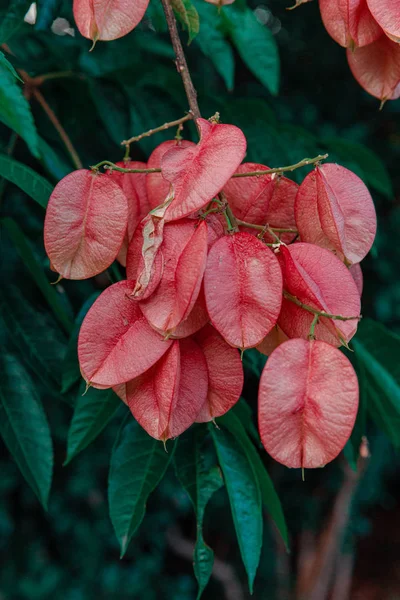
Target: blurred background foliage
278, 76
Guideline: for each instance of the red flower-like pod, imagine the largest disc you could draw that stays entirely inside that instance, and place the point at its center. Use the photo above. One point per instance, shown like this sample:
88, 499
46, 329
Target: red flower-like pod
168, 397
134, 187
198, 173
243, 288
307, 403
377, 68
387, 13
116, 343
334, 209
261, 200
275, 338
184, 251
107, 19
318, 279
357, 274
85, 224
145, 263
196, 320
225, 374
349, 22
157, 187
138, 253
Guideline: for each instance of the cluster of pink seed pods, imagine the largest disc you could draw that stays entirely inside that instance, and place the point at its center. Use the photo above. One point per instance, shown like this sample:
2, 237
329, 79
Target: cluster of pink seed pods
219, 260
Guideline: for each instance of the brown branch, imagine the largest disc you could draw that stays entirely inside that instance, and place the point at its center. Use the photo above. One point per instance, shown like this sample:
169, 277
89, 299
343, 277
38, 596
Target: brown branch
302, 163
181, 63
316, 586
343, 580
137, 138
57, 125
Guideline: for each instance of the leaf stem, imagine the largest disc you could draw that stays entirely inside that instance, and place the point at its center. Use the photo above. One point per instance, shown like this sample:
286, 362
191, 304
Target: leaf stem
316, 312
57, 125
39, 79
302, 163
137, 138
262, 227
107, 164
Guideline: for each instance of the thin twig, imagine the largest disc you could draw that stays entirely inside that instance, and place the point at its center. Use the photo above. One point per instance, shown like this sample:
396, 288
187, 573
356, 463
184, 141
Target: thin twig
262, 227
181, 63
57, 125
314, 311
175, 123
39, 79
302, 163
107, 164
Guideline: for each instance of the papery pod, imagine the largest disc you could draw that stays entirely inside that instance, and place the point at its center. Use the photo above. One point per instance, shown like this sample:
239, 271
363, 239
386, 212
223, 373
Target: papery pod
85, 224
220, 2
275, 338
107, 19
307, 403
334, 209
243, 288
263, 199
196, 320
136, 266
145, 262
387, 14
198, 173
349, 22
357, 274
157, 187
167, 398
225, 374
184, 250
377, 68
318, 279
134, 187
116, 343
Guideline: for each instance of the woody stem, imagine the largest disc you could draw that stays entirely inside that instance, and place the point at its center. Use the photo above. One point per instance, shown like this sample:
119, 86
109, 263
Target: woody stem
181, 63
302, 163
315, 311
107, 164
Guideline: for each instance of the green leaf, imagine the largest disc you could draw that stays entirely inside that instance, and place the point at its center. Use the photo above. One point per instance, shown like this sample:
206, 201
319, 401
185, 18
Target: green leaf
25, 251
71, 372
244, 497
110, 99
245, 415
213, 43
36, 186
35, 334
12, 18
201, 477
93, 411
5, 64
24, 427
256, 46
138, 464
188, 16
378, 349
55, 166
15, 111
373, 169
269, 496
